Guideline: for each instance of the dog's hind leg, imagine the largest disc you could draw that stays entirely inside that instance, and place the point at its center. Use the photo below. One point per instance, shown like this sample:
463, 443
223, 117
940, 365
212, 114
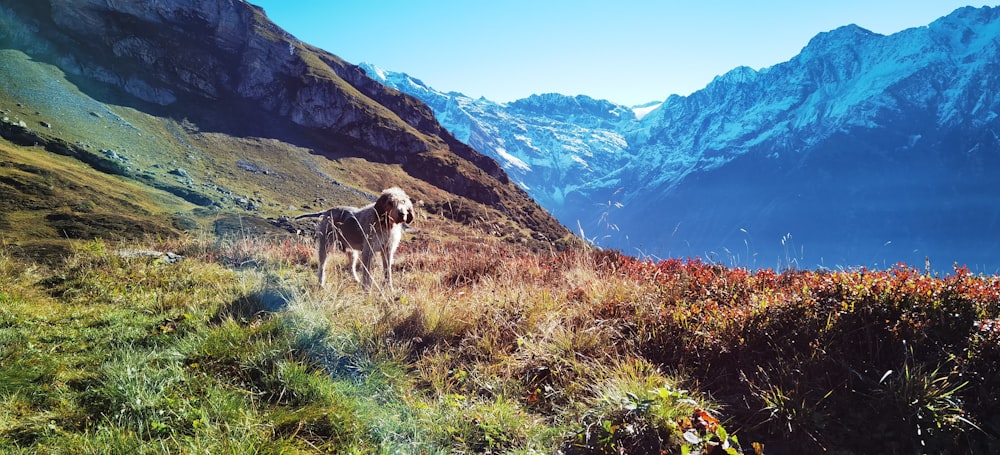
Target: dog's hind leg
324, 246
352, 255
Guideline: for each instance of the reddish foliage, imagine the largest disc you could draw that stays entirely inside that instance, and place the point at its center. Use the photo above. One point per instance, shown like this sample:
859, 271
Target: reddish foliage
829, 335
704, 422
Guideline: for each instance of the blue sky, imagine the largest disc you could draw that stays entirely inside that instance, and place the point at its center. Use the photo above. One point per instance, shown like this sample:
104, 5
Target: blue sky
626, 51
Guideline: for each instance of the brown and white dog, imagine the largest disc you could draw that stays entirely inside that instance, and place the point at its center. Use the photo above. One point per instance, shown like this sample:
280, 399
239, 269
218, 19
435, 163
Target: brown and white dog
374, 228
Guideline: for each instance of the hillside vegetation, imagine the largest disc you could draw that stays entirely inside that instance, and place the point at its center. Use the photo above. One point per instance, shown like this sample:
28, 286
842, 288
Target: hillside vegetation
205, 122
485, 348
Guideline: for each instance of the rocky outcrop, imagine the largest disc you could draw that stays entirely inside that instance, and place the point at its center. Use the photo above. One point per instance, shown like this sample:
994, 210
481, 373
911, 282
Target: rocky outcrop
218, 50
216, 59
559, 148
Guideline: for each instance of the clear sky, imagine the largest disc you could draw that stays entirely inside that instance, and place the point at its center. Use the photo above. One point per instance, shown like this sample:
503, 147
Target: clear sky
625, 51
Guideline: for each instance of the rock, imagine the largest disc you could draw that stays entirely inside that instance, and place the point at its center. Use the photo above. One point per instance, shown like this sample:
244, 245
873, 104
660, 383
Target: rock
180, 172
165, 257
248, 166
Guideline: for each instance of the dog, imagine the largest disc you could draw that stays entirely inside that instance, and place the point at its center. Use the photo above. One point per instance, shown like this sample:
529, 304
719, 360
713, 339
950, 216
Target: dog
364, 231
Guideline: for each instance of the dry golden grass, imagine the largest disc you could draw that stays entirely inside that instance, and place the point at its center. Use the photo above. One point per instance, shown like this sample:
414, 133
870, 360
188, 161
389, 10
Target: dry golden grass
486, 347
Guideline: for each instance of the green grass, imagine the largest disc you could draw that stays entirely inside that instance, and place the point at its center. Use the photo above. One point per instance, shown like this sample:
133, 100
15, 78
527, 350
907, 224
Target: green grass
488, 350
182, 166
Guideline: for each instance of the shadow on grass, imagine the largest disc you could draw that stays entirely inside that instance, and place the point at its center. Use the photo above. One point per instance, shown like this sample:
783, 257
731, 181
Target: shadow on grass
257, 305
47, 252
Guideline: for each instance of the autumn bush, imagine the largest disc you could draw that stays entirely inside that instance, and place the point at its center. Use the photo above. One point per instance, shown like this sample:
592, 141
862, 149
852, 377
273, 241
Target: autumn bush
894, 360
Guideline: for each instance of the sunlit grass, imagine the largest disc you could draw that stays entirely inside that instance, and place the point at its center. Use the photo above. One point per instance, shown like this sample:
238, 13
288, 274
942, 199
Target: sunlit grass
234, 349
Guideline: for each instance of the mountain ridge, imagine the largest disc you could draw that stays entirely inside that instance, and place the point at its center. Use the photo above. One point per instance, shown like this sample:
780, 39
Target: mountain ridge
913, 104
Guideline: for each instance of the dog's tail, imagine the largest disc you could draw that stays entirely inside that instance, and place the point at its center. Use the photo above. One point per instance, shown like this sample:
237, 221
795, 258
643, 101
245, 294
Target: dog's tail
310, 215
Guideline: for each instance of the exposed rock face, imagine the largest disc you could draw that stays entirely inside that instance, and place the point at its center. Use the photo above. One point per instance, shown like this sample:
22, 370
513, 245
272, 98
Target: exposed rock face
215, 59
217, 49
556, 146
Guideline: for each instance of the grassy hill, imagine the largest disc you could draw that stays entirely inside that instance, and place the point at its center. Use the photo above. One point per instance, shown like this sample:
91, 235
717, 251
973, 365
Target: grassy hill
113, 170
179, 110
493, 349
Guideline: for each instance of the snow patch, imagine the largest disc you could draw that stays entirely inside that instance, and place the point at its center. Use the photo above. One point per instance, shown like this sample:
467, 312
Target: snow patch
513, 160
641, 111
374, 71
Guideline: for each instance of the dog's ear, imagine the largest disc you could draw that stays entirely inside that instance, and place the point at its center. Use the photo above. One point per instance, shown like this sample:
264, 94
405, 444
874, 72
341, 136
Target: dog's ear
411, 214
382, 204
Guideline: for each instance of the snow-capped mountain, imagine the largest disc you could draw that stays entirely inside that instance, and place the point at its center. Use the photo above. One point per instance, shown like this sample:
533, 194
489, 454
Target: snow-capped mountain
552, 145
864, 149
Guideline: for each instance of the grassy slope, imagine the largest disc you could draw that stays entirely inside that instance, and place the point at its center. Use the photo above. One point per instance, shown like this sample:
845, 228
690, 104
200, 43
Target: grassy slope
45, 198
233, 350
227, 151
161, 161
153, 146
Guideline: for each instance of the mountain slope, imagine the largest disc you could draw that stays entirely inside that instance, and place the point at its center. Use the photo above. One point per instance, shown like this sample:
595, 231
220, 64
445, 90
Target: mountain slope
862, 150
553, 145
867, 148
209, 101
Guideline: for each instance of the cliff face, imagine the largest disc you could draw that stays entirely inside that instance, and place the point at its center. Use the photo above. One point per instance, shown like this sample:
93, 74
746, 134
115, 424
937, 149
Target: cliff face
220, 50
223, 65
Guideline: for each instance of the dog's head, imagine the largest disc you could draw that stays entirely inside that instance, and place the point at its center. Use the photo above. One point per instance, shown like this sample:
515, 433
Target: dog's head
395, 205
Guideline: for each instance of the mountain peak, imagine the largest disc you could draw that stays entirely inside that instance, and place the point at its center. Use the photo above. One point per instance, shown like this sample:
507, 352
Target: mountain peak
738, 75
563, 107
839, 38
969, 15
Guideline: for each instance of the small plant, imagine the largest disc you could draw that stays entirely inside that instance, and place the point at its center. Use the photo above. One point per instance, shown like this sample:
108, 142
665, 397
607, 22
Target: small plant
707, 436
927, 399
637, 410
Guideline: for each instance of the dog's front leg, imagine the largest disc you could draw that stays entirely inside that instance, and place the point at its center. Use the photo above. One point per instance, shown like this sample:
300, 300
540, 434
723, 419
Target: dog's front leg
387, 266
367, 262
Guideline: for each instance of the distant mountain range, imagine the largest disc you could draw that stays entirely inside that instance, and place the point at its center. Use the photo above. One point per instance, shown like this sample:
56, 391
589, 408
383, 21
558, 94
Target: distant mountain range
863, 150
